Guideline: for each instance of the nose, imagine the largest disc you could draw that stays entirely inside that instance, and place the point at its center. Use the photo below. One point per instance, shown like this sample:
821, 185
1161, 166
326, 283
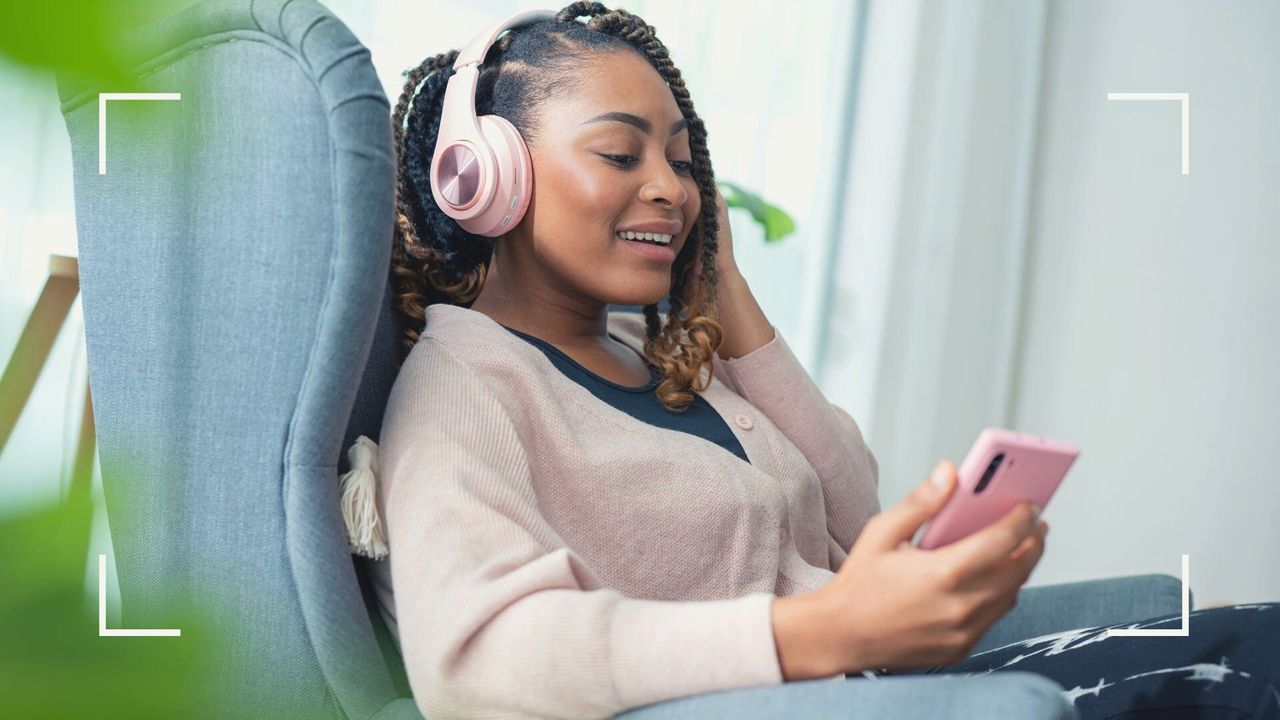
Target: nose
663, 186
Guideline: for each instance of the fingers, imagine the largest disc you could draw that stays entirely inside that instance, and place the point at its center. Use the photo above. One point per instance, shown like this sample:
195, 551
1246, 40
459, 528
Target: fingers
887, 530
1042, 530
1014, 570
984, 550
996, 591
993, 611
1031, 557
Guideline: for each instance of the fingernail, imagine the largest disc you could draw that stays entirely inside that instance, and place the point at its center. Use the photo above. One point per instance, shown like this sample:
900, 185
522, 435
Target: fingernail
939, 476
1035, 512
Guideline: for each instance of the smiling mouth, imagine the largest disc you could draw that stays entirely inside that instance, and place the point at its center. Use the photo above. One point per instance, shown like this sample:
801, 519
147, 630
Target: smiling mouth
650, 238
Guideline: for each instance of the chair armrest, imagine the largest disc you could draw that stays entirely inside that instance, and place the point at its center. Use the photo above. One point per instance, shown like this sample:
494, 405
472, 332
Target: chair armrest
1048, 609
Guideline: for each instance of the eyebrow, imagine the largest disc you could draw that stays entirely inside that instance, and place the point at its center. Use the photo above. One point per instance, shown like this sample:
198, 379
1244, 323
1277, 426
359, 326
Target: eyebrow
637, 121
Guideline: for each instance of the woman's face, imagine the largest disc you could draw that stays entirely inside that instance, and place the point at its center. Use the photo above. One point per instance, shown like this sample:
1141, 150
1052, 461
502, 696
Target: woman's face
612, 154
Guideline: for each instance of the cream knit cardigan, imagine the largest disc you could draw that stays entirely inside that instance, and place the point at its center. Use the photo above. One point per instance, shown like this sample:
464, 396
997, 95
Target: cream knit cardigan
553, 556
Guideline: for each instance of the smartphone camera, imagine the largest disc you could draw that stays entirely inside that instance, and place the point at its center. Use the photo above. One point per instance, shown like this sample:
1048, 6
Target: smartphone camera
992, 467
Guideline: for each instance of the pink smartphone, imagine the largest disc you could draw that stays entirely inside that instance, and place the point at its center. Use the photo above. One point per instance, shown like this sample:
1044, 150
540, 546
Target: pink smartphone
1003, 468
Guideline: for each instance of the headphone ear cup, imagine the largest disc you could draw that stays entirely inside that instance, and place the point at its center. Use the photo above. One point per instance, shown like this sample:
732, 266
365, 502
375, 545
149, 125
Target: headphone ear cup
513, 175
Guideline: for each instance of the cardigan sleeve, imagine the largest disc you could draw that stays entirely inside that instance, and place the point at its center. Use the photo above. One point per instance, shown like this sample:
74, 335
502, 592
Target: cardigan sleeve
492, 612
773, 380
721, 372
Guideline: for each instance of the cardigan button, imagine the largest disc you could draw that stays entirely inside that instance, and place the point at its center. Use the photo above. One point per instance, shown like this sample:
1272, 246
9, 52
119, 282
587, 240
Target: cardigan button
743, 421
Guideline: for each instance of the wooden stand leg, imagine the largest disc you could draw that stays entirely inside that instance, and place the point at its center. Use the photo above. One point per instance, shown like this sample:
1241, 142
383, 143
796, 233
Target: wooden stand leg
52, 307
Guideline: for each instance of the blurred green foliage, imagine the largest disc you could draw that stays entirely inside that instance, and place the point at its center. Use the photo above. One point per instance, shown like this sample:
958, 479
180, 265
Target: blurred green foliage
79, 37
776, 223
53, 663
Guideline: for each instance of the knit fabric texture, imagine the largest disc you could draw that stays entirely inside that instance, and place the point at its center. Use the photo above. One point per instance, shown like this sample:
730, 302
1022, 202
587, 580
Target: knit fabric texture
550, 555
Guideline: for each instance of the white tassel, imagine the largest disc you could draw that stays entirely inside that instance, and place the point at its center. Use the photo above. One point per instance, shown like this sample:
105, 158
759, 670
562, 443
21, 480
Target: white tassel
365, 534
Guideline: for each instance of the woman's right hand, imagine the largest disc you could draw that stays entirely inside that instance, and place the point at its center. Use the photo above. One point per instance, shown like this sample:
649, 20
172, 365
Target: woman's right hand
895, 606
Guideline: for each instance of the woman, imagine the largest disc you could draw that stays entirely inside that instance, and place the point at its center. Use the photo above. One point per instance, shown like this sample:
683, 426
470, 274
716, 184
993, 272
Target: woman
593, 511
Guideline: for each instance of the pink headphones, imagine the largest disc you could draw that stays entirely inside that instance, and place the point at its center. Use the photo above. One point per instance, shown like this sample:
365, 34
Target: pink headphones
481, 175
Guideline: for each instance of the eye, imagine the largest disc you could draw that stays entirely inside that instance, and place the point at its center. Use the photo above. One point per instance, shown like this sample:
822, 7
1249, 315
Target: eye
623, 160
684, 167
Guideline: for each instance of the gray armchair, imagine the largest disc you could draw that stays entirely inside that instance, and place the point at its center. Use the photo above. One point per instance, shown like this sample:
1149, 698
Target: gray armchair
232, 261
233, 264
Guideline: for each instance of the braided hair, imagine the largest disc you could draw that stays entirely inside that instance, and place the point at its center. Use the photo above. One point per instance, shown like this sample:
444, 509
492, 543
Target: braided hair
434, 260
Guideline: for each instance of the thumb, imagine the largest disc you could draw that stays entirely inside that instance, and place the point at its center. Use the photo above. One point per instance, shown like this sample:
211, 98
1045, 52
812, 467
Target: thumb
899, 523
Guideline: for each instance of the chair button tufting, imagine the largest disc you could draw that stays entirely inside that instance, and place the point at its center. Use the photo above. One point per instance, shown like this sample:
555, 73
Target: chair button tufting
743, 421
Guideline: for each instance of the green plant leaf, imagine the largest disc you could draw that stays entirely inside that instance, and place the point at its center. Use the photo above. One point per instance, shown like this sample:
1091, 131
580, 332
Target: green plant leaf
777, 223
83, 38
53, 663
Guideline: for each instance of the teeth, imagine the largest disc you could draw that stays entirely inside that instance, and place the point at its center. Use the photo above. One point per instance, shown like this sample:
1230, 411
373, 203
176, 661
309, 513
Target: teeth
658, 238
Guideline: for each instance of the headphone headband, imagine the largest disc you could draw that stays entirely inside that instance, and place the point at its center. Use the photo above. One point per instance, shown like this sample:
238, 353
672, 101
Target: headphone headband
474, 52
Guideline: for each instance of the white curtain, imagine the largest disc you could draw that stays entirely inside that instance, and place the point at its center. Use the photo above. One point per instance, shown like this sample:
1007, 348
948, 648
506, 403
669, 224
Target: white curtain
922, 325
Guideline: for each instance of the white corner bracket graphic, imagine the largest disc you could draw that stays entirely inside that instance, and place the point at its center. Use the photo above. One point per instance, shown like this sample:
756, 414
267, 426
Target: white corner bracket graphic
102, 118
1185, 98
1183, 631
103, 630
